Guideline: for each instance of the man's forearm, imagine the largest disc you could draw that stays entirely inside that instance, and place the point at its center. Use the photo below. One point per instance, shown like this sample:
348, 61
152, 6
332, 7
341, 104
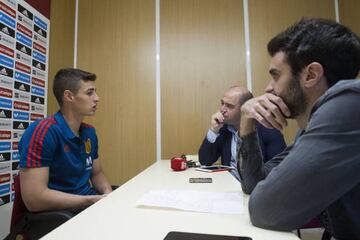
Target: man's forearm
101, 184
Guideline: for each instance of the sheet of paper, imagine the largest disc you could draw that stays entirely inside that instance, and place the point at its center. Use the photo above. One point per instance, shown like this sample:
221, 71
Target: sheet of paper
197, 201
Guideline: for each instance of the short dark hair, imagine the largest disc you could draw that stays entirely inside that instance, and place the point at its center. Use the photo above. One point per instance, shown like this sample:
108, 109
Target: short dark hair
327, 42
69, 79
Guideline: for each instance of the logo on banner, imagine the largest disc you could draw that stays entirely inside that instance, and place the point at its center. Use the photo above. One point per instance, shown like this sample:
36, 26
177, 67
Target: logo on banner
38, 82
38, 100
20, 125
24, 40
38, 65
40, 31
39, 48
6, 71
4, 178
15, 166
25, 12
11, 12
8, 62
5, 113
4, 92
4, 167
7, 51
7, 20
4, 189
6, 82
21, 115
21, 86
38, 56
23, 48
15, 156
4, 135
5, 124
17, 134
5, 156
34, 116
15, 145
40, 22
5, 103
22, 67
37, 91
4, 199
22, 96
5, 146
21, 106
7, 30
22, 77
39, 39
24, 30
37, 108
23, 58
38, 73
6, 40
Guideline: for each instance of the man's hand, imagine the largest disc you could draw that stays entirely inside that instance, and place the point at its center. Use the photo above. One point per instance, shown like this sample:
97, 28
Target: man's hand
94, 198
268, 109
217, 122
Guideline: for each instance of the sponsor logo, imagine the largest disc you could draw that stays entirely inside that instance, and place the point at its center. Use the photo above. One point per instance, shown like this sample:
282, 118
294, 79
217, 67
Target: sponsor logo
23, 48
4, 92
6, 71
5, 103
38, 91
15, 156
5, 135
11, 12
4, 189
25, 21
5, 113
22, 96
7, 20
6, 82
24, 30
23, 58
5, 124
23, 39
88, 163
37, 108
22, 67
15, 145
17, 134
4, 178
8, 62
12, 3
7, 30
38, 82
39, 39
5, 146
40, 31
5, 156
38, 100
38, 73
4, 199
21, 115
22, 77
40, 22
38, 65
21, 86
7, 51
39, 48
25, 12
15, 165
38, 56
34, 116
20, 125
6, 40
4, 167
21, 106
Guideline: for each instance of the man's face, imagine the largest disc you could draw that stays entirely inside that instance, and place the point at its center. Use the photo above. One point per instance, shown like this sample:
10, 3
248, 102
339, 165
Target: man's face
287, 86
230, 108
86, 100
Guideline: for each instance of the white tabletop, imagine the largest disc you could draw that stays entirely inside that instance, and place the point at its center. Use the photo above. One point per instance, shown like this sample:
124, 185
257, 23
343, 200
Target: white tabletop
117, 217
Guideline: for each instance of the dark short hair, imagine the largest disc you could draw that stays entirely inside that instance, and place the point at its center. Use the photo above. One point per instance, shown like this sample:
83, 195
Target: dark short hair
327, 42
69, 79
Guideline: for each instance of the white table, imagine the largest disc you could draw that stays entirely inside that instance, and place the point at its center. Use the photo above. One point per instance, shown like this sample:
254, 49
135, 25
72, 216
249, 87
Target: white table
117, 217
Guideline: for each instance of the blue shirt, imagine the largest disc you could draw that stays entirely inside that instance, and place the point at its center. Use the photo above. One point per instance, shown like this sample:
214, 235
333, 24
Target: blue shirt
51, 143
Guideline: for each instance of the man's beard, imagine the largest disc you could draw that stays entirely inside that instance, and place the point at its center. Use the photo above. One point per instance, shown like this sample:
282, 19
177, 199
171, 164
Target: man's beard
294, 98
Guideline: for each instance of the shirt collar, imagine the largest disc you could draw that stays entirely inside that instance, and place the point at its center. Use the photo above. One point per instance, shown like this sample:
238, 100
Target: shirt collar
64, 126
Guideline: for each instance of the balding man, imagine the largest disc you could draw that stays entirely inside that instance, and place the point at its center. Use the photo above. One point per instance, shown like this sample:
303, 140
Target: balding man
222, 137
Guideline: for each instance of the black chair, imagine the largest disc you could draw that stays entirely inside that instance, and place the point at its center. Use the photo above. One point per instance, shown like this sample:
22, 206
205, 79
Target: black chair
29, 225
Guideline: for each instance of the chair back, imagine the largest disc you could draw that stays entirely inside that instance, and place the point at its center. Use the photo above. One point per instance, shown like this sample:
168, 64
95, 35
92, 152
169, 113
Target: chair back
19, 208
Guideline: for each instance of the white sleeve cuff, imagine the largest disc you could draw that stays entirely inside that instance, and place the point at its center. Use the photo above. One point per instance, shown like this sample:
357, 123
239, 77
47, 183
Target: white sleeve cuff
211, 136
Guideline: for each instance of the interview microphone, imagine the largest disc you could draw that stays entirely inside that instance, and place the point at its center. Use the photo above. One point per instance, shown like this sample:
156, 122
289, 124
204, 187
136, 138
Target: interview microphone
178, 164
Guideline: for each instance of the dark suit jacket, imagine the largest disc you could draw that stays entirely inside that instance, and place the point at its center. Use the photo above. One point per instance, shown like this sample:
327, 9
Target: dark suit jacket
271, 142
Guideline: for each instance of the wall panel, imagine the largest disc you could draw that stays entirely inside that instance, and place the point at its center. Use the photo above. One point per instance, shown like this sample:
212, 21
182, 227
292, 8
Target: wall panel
202, 54
349, 15
61, 43
267, 18
116, 40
